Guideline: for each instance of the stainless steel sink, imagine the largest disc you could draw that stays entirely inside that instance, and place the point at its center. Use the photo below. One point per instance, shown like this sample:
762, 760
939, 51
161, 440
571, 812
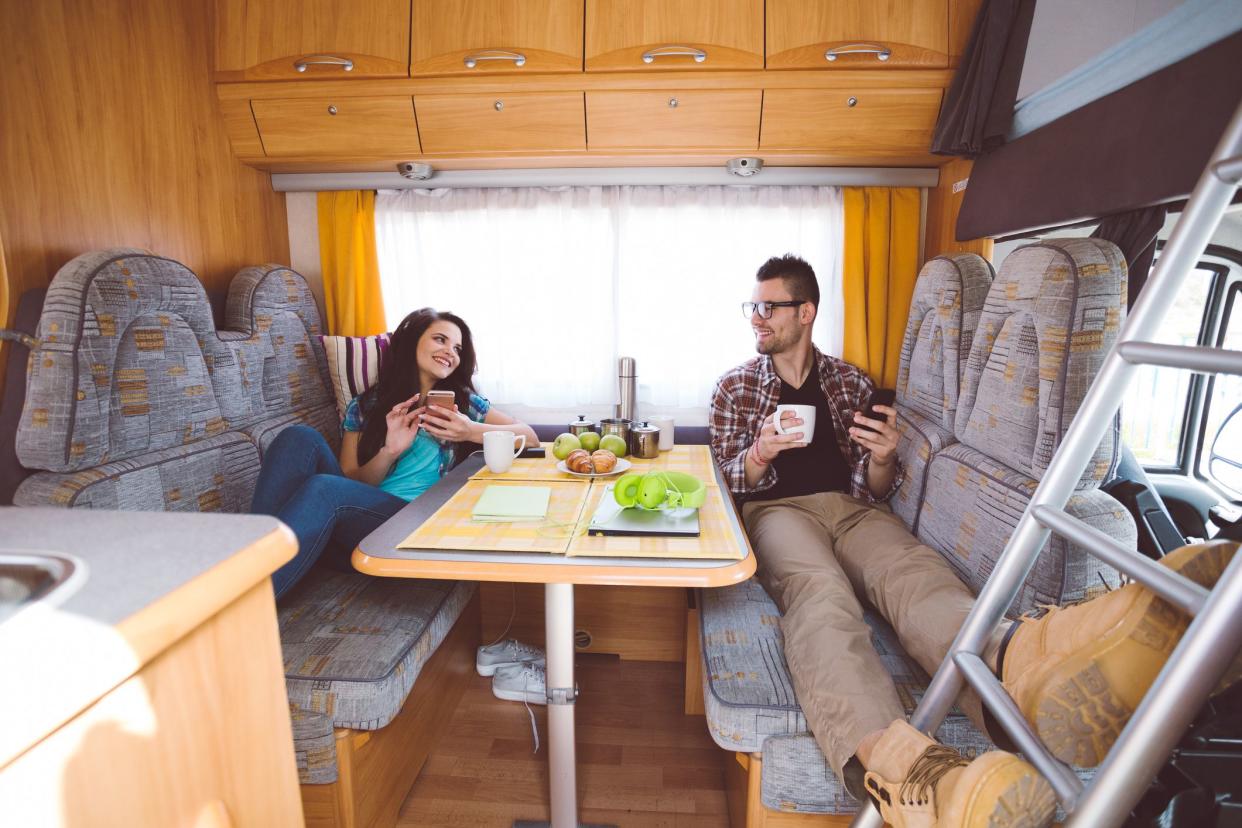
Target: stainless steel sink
29, 577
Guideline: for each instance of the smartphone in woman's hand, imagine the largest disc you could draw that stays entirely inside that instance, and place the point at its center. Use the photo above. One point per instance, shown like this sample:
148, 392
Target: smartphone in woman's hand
440, 399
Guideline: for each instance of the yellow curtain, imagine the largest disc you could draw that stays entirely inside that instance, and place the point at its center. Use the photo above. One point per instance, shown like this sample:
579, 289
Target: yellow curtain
351, 283
881, 265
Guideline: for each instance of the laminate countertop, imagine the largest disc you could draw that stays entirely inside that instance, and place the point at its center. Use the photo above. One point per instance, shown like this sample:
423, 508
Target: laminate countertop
143, 581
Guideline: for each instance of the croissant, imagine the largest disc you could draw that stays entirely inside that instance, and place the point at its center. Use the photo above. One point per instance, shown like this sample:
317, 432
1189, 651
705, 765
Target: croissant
604, 460
579, 460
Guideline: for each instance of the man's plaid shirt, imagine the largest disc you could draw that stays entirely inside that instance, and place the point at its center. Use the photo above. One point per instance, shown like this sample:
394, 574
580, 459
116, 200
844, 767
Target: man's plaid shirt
747, 394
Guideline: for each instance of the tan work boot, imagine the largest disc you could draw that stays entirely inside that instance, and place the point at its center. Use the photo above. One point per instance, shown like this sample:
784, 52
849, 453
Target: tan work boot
1077, 673
919, 783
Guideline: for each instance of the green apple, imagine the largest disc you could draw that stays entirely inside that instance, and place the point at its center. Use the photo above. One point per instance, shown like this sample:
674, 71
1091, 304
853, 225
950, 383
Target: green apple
564, 444
613, 443
589, 440
625, 491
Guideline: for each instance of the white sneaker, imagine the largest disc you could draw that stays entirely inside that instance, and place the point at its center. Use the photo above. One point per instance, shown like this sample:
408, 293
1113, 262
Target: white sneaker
509, 651
521, 682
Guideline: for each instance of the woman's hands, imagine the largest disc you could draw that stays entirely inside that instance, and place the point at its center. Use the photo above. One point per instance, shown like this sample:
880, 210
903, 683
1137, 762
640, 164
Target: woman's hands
403, 424
448, 425
882, 443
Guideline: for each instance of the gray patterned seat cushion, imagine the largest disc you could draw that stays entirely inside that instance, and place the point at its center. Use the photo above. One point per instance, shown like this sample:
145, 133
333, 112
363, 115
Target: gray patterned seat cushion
1050, 318
972, 508
944, 310
353, 647
749, 700
216, 474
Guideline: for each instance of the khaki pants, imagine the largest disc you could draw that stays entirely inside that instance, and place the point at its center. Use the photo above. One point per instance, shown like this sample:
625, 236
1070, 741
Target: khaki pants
817, 554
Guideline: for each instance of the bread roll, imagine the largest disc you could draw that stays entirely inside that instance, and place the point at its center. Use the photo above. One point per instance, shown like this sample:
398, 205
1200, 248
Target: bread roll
579, 460
605, 461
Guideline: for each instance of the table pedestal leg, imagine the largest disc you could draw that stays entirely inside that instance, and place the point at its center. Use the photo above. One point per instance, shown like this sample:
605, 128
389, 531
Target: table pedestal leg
559, 613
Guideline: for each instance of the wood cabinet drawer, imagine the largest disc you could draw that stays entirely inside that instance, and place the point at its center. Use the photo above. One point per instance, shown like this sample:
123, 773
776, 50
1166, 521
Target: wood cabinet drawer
859, 32
864, 121
337, 126
510, 121
267, 39
727, 33
487, 37
685, 119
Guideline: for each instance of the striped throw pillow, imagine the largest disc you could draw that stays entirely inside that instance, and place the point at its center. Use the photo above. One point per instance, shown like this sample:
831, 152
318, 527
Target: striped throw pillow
353, 364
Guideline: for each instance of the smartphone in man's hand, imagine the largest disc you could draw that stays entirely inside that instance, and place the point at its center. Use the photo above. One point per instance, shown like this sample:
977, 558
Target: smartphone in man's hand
880, 396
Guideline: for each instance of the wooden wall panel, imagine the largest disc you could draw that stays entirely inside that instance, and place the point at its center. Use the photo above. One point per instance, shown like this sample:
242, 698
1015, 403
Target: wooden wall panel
943, 205
962, 14
112, 136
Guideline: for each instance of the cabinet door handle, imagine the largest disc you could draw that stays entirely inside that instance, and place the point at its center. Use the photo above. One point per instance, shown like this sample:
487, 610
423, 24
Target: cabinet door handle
650, 55
472, 61
331, 60
880, 52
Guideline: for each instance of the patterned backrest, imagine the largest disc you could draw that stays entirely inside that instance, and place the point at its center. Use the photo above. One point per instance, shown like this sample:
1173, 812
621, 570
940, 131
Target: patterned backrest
129, 362
1050, 318
944, 310
131, 380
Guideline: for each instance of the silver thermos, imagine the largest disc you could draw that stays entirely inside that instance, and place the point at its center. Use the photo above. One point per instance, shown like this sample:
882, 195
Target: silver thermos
626, 390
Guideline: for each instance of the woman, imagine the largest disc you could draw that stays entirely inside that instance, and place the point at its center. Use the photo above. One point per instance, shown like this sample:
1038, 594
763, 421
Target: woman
394, 448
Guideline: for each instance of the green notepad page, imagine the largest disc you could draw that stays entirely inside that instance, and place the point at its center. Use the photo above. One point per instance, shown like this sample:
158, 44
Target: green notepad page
509, 503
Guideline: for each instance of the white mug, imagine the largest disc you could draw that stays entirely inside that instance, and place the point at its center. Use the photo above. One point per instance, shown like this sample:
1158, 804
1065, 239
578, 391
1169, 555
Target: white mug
665, 424
498, 450
806, 413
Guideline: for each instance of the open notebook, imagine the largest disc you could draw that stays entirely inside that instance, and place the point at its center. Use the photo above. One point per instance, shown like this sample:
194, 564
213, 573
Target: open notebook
506, 504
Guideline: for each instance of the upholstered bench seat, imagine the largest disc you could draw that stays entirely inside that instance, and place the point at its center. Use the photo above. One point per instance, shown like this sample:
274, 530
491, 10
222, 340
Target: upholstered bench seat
750, 707
354, 645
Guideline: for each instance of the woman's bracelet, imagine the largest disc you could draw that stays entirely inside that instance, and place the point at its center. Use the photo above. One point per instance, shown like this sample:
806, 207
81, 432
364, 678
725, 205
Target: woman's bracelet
754, 453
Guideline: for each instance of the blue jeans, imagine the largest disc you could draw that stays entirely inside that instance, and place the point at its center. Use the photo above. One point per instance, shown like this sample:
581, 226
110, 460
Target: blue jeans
302, 484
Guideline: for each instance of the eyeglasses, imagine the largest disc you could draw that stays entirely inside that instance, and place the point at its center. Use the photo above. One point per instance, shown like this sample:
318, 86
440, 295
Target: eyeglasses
764, 309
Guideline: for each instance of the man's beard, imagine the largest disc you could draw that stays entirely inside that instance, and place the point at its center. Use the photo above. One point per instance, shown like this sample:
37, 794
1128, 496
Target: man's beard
773, 345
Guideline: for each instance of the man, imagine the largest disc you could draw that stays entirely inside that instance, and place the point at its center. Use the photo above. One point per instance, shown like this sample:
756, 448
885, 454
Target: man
815, 516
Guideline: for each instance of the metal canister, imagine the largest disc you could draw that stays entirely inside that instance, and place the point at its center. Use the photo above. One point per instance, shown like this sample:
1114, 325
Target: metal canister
645, 441
581, 425
617, 426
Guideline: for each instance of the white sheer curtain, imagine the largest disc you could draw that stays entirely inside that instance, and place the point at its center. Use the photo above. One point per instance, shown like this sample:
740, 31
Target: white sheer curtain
557, 283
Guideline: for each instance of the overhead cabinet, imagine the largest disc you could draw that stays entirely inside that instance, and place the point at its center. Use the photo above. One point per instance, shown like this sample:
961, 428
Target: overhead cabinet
854, 34
686, 119
487, 37
654, 35
508, 122
294, 39
338, 126
864, 121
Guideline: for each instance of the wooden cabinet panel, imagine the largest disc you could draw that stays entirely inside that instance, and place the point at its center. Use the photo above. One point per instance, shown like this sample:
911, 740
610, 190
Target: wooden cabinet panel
863, 121
799, 32
337, 126
264, 39
509, 121
620, 32
545, 34
685, 119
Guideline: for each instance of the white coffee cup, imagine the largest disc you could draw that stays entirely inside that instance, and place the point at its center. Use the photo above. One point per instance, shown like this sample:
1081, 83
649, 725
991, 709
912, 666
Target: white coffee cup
806, 413
665, 424
498, 450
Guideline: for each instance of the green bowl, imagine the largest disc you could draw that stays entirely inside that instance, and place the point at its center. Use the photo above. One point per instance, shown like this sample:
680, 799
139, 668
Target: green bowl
685, 491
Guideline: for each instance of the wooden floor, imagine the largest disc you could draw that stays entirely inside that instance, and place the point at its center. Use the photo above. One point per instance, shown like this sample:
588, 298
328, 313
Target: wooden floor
641, 761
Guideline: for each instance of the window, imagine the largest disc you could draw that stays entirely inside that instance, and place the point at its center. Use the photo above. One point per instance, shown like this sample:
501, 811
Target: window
1224, 395
1153, 416
557, 283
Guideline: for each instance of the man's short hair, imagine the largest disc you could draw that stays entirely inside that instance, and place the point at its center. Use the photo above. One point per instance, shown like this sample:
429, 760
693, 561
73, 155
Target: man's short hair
798, 275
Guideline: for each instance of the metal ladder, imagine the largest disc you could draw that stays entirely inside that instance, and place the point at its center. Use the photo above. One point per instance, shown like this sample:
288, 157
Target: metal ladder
1215, 633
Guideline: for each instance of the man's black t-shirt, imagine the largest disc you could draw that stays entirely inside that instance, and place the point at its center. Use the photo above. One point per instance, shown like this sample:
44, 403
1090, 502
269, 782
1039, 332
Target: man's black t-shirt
818, 467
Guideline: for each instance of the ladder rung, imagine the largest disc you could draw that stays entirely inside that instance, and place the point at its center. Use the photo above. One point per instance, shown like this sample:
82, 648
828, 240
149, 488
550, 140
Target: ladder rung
1191, 357
1166, 583
1063, 780
1229, 170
